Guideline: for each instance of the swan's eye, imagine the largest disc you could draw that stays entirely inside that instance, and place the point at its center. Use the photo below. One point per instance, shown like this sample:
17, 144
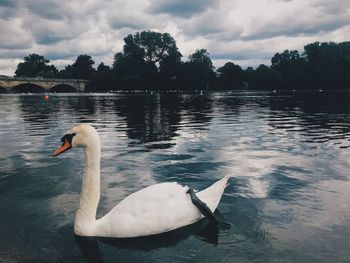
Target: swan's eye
68, 137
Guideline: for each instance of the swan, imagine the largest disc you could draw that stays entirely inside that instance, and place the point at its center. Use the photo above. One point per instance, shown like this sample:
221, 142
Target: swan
153, 210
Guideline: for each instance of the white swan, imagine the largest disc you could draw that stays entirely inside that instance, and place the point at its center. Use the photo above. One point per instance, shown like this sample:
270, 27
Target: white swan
153, 210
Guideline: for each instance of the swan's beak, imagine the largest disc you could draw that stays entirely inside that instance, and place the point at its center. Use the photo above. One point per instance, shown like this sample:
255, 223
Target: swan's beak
64, 147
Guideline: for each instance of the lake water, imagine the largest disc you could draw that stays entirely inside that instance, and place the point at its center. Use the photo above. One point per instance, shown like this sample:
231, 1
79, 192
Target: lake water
288, 155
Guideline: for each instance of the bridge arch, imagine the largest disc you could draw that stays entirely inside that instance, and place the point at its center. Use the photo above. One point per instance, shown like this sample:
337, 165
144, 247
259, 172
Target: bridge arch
29, 88
63, 88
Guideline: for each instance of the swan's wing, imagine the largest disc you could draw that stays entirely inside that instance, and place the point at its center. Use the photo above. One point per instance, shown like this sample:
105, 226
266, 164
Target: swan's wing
155, 209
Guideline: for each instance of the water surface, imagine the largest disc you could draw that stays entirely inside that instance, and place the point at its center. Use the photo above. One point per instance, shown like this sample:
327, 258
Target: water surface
288, 155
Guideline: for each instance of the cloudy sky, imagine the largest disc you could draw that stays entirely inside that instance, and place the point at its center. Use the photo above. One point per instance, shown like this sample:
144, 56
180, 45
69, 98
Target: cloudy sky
246, 32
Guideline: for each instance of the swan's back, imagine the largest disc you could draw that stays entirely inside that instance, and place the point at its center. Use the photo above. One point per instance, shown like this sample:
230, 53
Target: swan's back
157, 209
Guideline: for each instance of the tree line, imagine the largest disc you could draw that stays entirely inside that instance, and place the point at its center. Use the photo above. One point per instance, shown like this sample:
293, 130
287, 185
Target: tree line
151, 60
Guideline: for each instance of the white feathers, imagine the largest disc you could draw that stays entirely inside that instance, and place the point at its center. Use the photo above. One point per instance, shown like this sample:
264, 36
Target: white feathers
153, 210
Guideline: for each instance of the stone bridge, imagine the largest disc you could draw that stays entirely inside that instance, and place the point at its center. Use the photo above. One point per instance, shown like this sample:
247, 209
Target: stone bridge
17, 84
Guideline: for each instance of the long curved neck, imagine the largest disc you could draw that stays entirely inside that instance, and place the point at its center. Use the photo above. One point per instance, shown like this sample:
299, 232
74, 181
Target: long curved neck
90, 194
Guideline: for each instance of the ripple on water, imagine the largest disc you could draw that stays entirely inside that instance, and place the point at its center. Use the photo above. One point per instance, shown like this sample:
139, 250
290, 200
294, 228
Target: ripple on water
288, 157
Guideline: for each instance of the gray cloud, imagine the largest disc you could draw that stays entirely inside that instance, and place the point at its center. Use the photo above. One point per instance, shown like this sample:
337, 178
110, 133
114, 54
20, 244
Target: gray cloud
49, 32
13, 54
13, 36
331, 7
202, 27
242, 56
180, 8
132, 21
8, 3
213, 24
310, 18
48, 9
291, 27
240, 31
8, 9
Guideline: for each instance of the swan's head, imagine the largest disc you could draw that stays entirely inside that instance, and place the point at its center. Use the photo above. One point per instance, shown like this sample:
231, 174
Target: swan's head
82, 135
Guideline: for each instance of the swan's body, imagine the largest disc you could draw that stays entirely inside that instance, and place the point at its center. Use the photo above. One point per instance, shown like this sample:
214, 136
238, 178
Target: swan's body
153, 210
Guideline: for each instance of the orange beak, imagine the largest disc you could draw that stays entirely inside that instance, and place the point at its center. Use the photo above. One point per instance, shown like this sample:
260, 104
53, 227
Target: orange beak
64, 147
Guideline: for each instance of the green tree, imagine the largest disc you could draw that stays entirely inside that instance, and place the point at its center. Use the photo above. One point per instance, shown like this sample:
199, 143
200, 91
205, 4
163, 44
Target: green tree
129, 65
231, 76
156, 46
170, 68
292, 66
313, 53
50, 72
328, 64
102, 68
266, 78
144, 55
82, 68
198, 71
147, 47
35, 65
65, 73
201, 58
103, 79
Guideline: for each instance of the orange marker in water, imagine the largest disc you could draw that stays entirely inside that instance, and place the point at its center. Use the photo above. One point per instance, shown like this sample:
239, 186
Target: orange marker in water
46, 97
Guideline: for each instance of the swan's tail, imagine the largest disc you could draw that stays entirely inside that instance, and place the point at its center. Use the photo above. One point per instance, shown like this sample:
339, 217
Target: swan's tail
212, 195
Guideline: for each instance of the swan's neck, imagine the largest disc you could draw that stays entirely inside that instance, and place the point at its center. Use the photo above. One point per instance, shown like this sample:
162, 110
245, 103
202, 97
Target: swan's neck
90, 193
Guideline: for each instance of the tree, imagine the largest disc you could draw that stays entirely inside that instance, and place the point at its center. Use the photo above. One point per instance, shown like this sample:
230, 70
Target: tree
102, 79
231, 76
201, 58
144, 55
35, 65
82, 68
147, 47
328, 64
65, 73
50, 72
36, 59
292, 66
102, 68
156, 46
169, 69
313, 53
198, 71
129, 65
267, 78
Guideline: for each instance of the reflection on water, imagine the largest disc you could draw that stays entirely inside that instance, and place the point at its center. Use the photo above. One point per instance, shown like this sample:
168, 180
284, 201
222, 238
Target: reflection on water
90, 246
288, 156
